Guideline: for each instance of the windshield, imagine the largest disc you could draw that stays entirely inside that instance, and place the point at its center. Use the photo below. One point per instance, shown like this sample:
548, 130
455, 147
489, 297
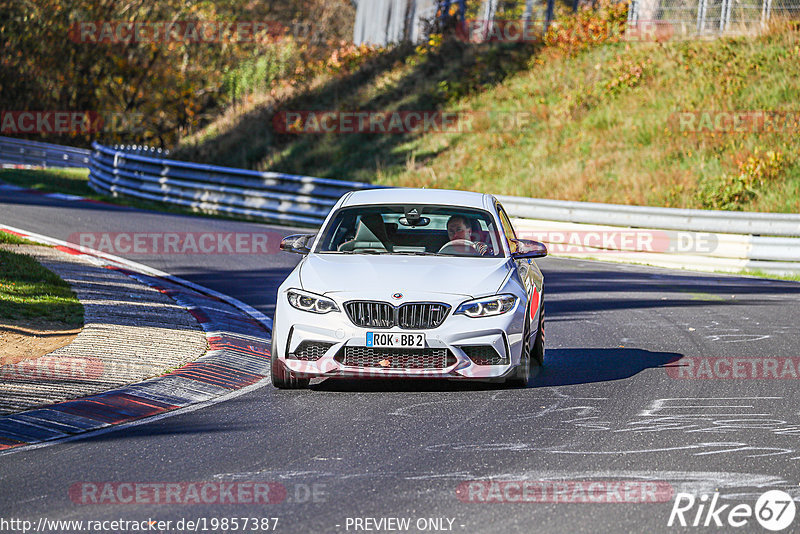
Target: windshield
411, 230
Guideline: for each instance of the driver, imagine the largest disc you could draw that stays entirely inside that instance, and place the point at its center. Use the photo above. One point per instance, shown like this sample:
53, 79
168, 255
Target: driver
459, 227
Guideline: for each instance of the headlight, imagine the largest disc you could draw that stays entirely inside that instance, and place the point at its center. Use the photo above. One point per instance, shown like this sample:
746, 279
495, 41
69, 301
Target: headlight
487, 306
303, 300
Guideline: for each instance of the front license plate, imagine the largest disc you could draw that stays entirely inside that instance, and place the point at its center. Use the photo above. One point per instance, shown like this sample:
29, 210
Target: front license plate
384, 340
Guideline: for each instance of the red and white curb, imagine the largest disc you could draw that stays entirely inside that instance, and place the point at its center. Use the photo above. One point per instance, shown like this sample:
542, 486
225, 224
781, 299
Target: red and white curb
236, 362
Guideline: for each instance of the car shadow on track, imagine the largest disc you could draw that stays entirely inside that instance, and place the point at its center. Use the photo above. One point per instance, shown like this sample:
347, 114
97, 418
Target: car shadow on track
379, 385
565, 367
562, 367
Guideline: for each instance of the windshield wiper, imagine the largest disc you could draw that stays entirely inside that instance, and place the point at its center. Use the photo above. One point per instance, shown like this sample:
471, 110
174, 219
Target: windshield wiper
379, 252
361, 252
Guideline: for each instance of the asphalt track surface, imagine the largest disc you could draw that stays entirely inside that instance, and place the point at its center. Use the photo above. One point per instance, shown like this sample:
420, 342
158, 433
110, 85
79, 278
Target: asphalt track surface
607, 406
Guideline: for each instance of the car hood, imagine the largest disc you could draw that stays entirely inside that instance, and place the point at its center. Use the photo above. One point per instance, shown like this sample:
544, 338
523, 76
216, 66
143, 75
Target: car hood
380, 276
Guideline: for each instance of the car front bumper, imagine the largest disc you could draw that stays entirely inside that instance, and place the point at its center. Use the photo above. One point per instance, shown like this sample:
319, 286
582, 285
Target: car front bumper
503, 333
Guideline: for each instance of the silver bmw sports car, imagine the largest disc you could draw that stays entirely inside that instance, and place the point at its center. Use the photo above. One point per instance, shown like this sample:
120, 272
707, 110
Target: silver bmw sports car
420, 283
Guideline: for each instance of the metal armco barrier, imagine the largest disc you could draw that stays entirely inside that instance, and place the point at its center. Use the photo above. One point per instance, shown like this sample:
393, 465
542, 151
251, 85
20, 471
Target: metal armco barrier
738, 241
23, 152
768, 242
687, 249
267, 196
727, 222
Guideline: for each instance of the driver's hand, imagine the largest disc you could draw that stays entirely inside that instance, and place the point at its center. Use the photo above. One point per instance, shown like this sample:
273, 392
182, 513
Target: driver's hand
481, 247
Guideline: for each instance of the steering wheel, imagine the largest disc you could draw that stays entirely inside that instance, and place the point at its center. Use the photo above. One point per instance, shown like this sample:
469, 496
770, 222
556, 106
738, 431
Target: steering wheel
461, 247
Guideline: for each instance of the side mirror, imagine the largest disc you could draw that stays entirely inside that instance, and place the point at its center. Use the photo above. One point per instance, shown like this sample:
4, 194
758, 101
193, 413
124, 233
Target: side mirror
529, 249
298, 243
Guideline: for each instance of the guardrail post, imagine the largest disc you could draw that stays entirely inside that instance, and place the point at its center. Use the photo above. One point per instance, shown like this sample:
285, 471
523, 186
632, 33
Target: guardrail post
701, 16
633, 12
724, 15
549, 16
766, 9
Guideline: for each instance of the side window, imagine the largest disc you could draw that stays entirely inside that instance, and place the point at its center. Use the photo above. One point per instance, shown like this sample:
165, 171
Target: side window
342, 229
508, 230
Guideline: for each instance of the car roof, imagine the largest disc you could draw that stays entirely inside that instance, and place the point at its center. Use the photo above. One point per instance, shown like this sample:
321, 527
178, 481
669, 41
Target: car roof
402, 195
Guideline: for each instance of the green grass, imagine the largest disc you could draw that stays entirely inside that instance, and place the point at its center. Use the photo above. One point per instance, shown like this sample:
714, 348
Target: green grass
603, 127
7, 238
69, 181
762, 274
29, 291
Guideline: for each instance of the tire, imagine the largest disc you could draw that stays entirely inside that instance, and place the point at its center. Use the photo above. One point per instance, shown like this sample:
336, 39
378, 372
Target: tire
538, 344
523, 371
282, 378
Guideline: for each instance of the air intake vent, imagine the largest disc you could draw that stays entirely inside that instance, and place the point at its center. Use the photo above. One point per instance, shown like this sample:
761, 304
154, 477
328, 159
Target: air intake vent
484, 355
373, 357
310, 351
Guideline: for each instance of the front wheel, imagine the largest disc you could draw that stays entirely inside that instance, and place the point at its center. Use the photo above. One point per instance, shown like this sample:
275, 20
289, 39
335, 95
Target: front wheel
282, 378
523, 370
538, 345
